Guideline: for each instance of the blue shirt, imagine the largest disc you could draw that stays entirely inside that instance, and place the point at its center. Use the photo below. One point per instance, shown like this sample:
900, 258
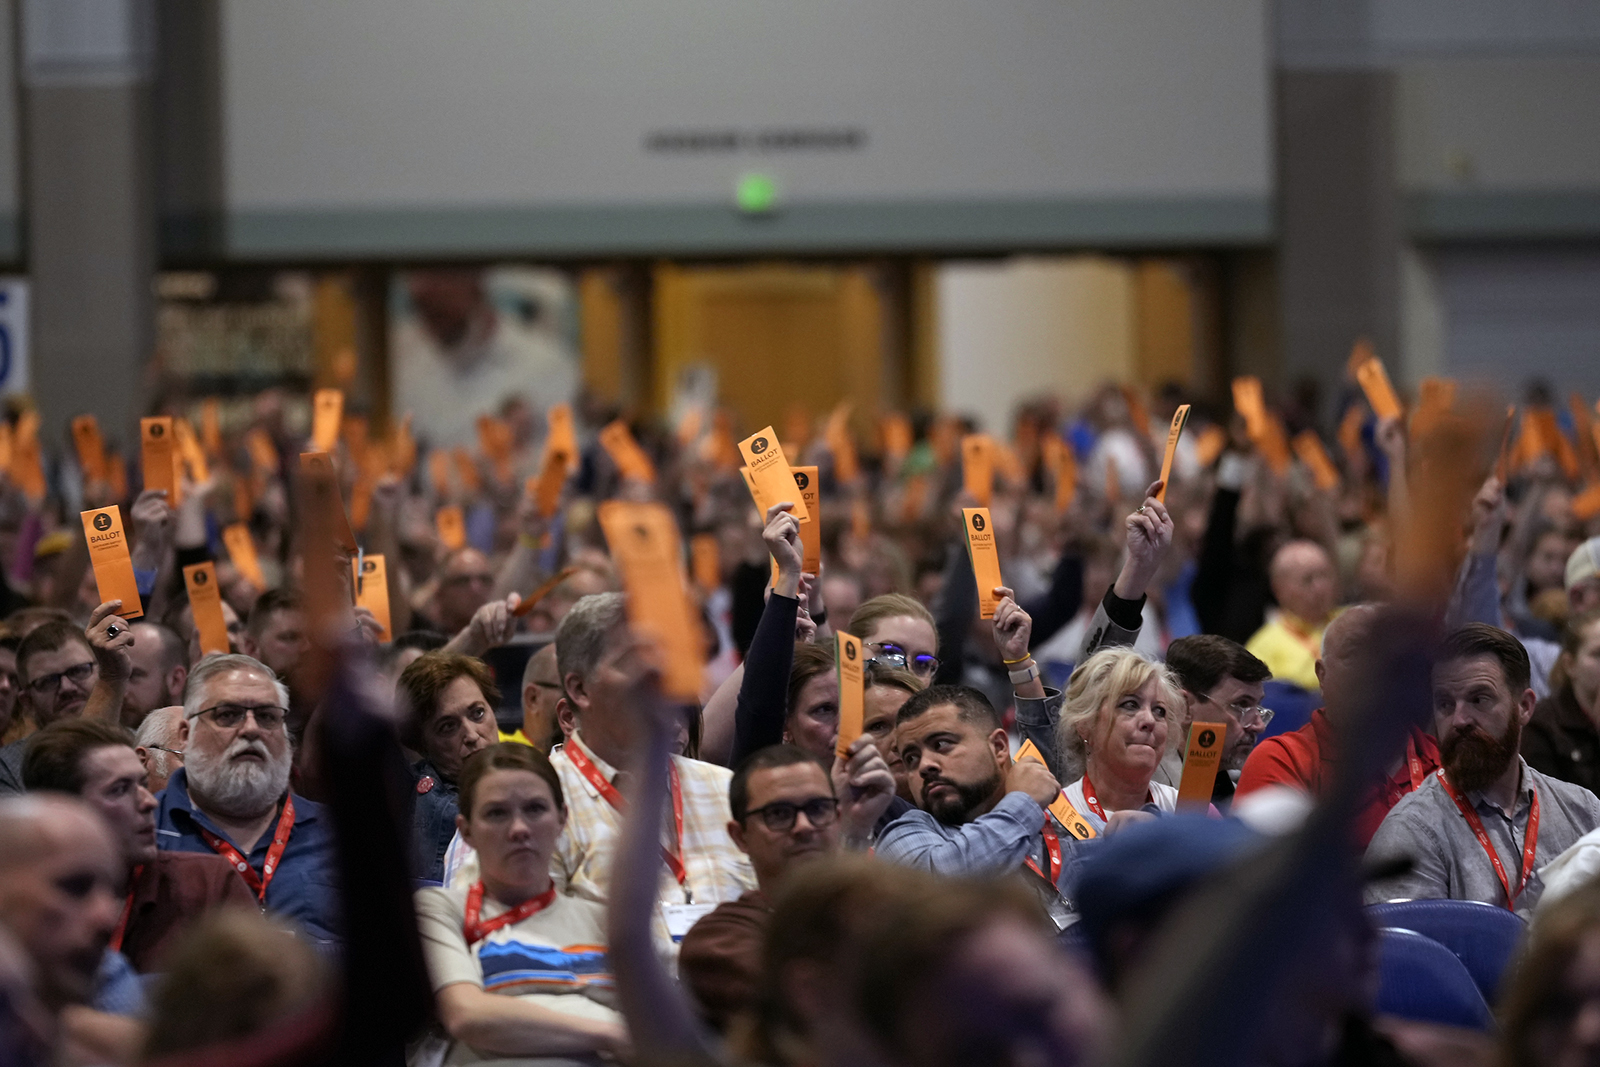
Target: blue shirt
996, 843
304, 888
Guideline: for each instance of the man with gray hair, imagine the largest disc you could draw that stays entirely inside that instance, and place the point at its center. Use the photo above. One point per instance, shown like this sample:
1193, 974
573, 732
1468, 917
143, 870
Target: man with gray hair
159, 745
702, 867
232, 795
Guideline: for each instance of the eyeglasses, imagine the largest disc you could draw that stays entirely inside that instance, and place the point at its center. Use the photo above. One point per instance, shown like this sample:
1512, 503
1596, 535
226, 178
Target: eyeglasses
231, 716
780, 815
893, 656
169, 751
49, 683
1245, 712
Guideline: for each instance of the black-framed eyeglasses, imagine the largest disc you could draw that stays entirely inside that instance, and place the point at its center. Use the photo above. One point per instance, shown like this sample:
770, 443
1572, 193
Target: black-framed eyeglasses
78, 675
163, 748
780, 815
231, 716
893, 656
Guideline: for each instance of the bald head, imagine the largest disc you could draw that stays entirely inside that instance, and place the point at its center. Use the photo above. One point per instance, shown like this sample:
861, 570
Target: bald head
1346, 646
60, 871
1304, 581
541, 692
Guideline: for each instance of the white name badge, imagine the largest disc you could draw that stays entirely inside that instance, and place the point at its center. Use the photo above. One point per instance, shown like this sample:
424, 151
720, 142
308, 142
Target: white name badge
682, 916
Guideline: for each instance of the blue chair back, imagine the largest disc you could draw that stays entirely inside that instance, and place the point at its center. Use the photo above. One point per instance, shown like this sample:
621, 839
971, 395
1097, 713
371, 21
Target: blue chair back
1483, 937
1421, 980
1291, 706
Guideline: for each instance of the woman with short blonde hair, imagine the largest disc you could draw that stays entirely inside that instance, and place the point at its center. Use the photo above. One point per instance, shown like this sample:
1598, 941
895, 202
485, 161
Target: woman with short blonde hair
1115, 718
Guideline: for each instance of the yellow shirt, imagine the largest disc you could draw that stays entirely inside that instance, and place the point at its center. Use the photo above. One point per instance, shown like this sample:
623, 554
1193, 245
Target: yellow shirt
516, 735
1289, 651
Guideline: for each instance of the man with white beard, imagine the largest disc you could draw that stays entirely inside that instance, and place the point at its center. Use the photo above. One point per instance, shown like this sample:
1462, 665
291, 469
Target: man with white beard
231, 796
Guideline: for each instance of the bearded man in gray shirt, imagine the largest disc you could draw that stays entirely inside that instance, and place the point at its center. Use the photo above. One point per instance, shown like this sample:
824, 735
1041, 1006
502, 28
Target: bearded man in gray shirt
1486, 823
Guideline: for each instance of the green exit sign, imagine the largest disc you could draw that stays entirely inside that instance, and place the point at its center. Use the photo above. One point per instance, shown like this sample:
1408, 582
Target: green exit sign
756, 194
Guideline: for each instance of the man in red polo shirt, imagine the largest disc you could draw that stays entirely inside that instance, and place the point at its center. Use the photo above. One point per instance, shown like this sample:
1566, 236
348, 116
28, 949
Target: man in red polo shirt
1304, 759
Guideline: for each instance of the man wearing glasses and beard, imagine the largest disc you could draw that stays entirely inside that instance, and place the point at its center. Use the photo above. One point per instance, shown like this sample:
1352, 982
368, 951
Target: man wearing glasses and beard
1483, 826
231, 796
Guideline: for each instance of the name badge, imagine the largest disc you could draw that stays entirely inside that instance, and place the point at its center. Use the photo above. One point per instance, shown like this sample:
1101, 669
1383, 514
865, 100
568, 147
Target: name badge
680, 917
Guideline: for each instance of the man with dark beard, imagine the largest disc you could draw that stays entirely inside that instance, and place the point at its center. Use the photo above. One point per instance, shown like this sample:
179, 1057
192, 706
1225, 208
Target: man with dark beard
231, 796
978, 813
1483, 826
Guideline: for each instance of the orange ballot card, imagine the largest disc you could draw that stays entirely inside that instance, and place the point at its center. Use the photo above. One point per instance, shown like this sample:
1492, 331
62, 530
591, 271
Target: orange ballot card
327, 409
985, 558
158, 457
529, 602
189, 450
977, 468
644, 543
452, 526
1308, 446
771, 476
205, 597
625, 452
91, 447
705, 561
372, 590
1200, 763
850, 663
1374, 381
805, 479
242, 550
560, 438
321, 464
1179, 419
1061, 807
1248, 402
546, 486
108, 554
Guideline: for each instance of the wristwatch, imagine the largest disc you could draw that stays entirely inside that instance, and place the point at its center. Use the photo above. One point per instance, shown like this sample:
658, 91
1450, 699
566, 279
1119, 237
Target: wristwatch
1025, 675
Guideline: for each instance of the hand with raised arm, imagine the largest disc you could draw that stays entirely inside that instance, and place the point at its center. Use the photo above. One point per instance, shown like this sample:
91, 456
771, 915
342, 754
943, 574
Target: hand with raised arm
109, 641
865, 786
1149, 538
782, 537
491, 626
1013, 630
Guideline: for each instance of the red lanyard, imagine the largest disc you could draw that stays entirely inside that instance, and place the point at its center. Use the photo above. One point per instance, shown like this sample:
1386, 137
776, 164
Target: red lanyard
1529, 845
280, 841
474, 930
127, 910
1414, 765
1094, 801
617, 801
1052, 848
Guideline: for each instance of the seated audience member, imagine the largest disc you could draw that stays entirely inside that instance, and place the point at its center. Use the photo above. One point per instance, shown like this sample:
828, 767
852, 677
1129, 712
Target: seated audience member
59, 671
519, 969
160, 745
159, 665
1562, 739
465, 581
447, 707
1549, 1012
1304, 758
276, 634
11, 717
1481, 828
898, 632
1583, 577
812, 721
785, 812
1222, 682
60, 872
885, 690
1118, 708
234, 978
1306, 587
865, 962
405, 650
541, 699
978, 813
705, 867
232, 795
167, 891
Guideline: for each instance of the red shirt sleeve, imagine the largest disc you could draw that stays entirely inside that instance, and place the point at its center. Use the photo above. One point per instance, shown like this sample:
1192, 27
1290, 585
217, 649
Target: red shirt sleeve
1274, 761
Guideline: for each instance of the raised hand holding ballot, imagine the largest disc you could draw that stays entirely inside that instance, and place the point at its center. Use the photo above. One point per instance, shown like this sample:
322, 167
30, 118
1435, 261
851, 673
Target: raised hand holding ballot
985, 558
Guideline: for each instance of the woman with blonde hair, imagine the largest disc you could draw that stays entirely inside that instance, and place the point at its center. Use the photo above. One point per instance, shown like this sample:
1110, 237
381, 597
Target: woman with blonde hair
1115, 717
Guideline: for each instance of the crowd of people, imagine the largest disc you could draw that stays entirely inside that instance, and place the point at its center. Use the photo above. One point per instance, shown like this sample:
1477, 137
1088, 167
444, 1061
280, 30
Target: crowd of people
1213, 719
